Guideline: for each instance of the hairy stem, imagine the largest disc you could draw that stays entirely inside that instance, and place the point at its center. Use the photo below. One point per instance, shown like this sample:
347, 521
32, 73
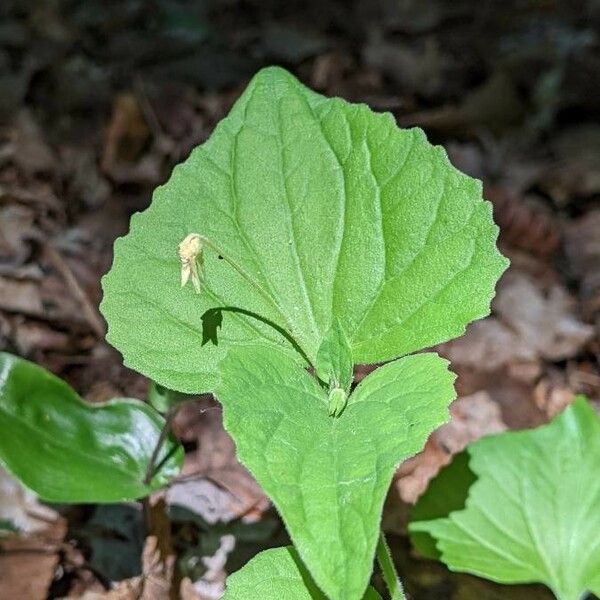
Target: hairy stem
244, 275
248, 313
289, 328
386, 563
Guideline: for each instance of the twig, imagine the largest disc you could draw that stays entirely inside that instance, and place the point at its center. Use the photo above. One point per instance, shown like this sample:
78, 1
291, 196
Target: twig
33, 550
89, 310
147, 108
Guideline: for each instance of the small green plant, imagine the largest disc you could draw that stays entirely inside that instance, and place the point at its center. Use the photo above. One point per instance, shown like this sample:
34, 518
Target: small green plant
320, 235
524, 508
316, 236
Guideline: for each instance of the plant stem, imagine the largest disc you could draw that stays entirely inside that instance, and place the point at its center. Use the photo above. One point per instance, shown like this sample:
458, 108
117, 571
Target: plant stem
169, 417
386, 563
164, 434
249, 279
284, 332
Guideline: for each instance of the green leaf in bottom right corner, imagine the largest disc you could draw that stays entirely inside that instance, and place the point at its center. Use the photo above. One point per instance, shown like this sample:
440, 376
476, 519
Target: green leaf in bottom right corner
533, 514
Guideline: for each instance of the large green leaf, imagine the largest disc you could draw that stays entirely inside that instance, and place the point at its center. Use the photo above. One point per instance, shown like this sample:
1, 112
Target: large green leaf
69, 451
276, 574
325, 208
328, 476
533, 515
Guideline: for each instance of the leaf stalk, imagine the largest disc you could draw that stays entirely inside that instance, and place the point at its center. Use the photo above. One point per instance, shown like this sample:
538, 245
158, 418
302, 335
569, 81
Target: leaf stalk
219, 251
388, 570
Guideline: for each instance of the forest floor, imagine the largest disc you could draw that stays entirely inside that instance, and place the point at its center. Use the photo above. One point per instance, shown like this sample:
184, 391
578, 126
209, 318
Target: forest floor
99, 100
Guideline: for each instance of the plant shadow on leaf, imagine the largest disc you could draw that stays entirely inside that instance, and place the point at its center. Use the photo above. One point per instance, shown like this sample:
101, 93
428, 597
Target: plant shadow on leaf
212, 321
446, 493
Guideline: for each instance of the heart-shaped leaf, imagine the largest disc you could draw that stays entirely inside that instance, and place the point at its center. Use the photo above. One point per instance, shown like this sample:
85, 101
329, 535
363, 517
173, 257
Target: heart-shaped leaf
275, 574
318, 207
67, 450
328, 476
533, 514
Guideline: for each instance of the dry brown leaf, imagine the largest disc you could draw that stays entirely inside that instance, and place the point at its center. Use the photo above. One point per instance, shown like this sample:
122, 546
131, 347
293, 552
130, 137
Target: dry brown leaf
28, 560
33, 336
552, 394
202, 497
328, 70
28, 564
48, 299
16, 229
495, 105
124, 159
88, 185
584, 377
414, 68
187, 591
20, 296
20, 506
31, 153
488, 345
583, 252
102, 391
529, 324
236, 493
546, 322
524, 221
126, 134
575, 173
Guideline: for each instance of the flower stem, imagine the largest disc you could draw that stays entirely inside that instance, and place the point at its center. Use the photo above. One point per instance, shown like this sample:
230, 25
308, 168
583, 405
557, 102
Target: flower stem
386, 563
289, 329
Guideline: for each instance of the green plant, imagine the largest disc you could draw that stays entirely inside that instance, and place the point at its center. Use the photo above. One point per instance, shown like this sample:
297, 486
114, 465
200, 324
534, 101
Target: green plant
67, 450
316, 236
530, 511
315, 233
